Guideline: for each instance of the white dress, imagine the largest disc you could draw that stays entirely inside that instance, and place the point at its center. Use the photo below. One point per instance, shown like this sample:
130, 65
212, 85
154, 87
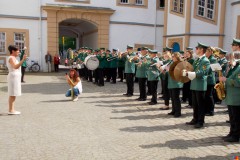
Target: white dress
14, 79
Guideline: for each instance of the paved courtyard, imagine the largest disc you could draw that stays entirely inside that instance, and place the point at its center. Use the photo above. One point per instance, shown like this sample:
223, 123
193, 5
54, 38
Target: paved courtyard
102, 125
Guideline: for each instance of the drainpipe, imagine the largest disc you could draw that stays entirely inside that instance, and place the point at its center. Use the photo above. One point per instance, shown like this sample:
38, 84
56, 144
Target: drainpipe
155, 29
40, 34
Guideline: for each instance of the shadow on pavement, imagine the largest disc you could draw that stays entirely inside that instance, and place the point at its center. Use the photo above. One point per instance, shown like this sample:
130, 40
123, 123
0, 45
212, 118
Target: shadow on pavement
232, 156
181, 126
50, 101
186, 144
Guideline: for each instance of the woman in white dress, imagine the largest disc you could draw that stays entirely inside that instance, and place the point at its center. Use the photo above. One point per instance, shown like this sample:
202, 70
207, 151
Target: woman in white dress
14, 77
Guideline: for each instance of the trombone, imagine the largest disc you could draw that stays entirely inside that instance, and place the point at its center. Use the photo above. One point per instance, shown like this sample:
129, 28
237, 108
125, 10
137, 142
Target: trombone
112, 58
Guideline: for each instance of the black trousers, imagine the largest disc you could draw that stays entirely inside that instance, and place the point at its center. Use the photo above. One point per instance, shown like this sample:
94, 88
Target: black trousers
23, 73
96, 76
198, 99
90, 75
113, 74
100, 77
161, 84
153, 86
130, 83
234, 112
85, 70
81, 72
166, 95
176, 103
120, 73
186, 94
148, 86
209, 106
108, 74
142, 87
56, 67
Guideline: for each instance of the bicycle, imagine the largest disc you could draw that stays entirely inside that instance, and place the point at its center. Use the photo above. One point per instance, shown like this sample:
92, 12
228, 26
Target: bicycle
35, 67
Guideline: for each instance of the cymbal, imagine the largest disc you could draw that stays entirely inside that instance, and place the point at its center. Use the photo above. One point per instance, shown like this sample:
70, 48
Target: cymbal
171, 69
178, 71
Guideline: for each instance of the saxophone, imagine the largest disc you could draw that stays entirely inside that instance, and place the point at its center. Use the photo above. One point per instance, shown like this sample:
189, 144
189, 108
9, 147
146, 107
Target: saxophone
220, 89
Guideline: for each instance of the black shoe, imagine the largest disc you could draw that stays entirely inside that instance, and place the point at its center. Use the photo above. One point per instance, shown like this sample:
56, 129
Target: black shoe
171, 113
219, 102
138, 99
226, 137
129, 95
148, 94
125, 94
113, 82
209, 114
23, 81
192, 122
198, 125
152, 103
183, 101
142, 99
231, 139
227, 121
177, 115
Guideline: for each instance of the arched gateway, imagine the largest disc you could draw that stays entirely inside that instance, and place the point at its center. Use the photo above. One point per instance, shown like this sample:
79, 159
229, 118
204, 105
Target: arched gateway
97, 16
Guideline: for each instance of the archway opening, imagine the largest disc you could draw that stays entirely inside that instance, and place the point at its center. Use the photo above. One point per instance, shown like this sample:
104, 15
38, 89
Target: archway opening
75, 33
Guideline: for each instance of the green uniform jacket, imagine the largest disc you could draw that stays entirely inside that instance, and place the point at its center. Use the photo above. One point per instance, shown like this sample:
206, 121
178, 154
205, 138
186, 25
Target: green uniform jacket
172, 83
232, 85
211, 75
107, 63
114, 63
24, 64
101, 61
165, 75
201, 68
129, 66
191, 61
223, 63
121, 62
152, 72
142, 69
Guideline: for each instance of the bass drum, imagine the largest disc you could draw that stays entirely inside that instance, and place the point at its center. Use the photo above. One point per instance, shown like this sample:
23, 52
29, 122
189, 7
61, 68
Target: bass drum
91, 62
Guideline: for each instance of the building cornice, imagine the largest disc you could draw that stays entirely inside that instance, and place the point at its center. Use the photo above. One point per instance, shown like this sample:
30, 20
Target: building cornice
235, 3
135, 23
22, 17
194, 34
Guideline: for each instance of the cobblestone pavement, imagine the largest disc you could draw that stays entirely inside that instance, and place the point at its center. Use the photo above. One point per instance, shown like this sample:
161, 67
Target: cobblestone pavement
103, 124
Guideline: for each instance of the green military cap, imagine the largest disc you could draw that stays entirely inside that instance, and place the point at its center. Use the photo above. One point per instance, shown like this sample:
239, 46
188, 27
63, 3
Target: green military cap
221, 51
144, 48
114, 49
97, 50
189, 48
236, 42
108, 50
153, 51
102, 48
168, 49
129, 47
181, 52
201, 45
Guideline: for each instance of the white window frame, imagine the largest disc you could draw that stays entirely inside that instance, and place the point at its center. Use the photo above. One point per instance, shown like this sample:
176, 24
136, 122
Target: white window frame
178, 6
18, 41
121, 2
206, 9
3, 41
139, 4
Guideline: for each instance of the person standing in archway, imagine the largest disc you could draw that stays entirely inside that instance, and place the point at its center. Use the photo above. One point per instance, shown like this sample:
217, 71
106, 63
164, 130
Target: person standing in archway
48, 60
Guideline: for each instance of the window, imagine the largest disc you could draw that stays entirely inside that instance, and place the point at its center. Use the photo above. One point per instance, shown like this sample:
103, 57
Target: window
162, 3
139, 2
2, 42
206, 8
178, 6
19, 40
124, 1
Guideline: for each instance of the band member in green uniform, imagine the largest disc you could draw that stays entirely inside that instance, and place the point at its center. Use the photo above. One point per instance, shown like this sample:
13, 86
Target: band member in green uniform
141, 73
174, 88
89, 72
198, 85
101, 57
121, 64
113, 65
107, 70
209, 107
164, 73
24, 64
232, 84
153, 75
223, 63
129, 70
